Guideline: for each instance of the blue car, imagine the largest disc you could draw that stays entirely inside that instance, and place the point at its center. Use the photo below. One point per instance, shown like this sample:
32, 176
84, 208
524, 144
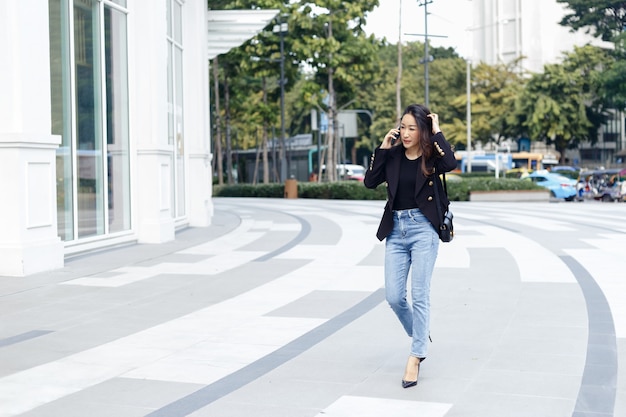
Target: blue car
560, 186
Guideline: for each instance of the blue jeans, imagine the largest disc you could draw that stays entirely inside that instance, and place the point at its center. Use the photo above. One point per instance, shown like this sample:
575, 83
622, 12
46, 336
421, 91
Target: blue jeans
411, 246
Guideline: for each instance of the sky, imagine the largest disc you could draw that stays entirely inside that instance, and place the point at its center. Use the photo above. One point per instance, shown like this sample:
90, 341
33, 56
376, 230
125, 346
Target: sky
449, 18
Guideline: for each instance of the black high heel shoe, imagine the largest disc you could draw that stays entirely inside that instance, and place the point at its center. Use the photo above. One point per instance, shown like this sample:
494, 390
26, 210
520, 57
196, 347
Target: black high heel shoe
409, 384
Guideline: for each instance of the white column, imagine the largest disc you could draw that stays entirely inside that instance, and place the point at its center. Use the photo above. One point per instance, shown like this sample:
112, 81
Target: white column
28, 213
148, 100
197, 110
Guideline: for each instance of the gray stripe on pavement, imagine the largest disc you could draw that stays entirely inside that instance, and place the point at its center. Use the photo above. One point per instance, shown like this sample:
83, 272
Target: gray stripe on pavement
305, 230
22, 337
598, 389
253, 371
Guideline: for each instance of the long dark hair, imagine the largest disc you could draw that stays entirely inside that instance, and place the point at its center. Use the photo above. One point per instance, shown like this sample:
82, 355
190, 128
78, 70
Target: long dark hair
425, 129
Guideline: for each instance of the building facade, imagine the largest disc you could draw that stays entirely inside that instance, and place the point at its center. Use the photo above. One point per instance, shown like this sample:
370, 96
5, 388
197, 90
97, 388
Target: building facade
104, 125
505, 30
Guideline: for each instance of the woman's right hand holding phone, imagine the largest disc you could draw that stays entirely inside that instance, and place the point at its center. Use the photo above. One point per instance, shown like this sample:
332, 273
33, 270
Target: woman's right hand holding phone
390, 139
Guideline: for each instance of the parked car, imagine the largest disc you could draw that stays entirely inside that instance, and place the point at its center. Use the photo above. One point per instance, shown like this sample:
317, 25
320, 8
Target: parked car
566, 171
559, 185
350, 172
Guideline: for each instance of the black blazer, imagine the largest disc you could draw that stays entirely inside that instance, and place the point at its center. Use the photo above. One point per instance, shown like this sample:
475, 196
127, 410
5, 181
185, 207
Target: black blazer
385, 167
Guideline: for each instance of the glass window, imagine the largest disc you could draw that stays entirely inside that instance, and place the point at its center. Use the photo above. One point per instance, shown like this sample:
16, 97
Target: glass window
508, 7
170, 96
178, 22
169, 18
88, 119
89, 93
180, 143
61, 114
176, 137
118, 158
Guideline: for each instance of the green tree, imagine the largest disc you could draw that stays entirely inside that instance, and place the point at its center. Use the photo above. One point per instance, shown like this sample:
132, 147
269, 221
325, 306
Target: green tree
605, 18
327, 55
614, 76
260, 61
493, 91
446, 81
331, 43
327, 51
562, 105
250, 87
446, 78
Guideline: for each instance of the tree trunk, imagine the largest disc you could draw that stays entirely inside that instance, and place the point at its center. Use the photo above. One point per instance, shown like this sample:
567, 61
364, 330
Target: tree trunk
256, 158
229, 145
561, 146
218, 124
331, 170
266, 165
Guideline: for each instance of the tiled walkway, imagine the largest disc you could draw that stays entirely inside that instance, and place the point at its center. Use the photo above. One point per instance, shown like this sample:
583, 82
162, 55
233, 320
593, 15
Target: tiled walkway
277, 309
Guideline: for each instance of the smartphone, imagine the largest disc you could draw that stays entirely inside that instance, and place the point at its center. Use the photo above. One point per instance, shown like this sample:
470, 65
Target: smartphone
396, 136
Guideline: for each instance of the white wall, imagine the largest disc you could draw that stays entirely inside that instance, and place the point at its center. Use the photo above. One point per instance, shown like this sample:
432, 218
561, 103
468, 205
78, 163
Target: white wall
28, 213
197, 110
28, 226
148, 80
152, 211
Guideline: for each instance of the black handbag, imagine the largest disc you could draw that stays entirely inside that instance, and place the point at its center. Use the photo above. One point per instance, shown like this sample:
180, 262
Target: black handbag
446, 228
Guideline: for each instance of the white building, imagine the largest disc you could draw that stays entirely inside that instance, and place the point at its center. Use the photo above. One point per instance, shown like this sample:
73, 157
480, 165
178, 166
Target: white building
504, 30
104, 123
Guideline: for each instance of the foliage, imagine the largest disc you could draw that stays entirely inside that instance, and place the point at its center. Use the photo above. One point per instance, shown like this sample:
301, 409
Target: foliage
605, 18
331, 38
341, 190
494, 89
567, 173
339, 57
250, 77
325, 40
354, 190
613, 79
273, 190
446, 81
493, 93
562, 105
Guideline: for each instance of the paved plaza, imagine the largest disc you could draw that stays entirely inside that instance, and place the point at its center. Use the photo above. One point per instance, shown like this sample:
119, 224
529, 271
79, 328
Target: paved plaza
277, 310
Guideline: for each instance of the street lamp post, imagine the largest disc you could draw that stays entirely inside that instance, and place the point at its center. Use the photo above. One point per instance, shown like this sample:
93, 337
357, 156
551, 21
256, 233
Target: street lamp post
468, 90
426, 56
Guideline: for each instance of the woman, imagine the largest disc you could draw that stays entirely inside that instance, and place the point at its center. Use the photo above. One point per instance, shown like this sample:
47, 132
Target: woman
411, 219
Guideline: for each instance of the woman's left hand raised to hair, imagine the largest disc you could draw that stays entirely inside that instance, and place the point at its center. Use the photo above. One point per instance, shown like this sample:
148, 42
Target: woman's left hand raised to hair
435, 119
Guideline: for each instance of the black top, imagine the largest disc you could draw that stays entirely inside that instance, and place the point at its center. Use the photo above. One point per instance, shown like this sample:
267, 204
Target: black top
405, 199
385, 168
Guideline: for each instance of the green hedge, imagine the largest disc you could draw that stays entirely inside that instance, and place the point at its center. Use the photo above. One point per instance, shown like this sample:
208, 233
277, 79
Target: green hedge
458, 189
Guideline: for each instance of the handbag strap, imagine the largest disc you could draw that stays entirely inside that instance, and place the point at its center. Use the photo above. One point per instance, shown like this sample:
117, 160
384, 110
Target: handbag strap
437, 198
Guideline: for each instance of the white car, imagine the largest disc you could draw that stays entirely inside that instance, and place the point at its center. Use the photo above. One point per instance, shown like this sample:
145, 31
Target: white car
351, 172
